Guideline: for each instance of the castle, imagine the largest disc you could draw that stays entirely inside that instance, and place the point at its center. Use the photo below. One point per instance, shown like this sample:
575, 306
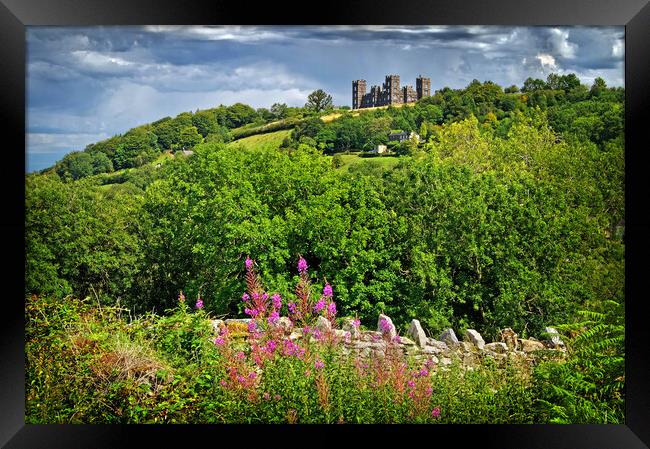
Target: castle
389, 93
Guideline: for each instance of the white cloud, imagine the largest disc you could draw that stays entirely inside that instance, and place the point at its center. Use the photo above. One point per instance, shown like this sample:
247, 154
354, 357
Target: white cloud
218, 33
618, 48
546, 60
560, 41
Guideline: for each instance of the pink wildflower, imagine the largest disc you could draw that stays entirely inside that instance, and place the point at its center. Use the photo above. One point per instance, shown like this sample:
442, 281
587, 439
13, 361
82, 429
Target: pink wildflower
277, 301
245, 297
411, 384
356, 323
424, 372
252, 326
277, 397
265, 296
274, 317
251, 312
270, 346
327, 291
331, 308
292, 308
249, 263
199, 303
302, 265
318, 364
266, 396
240, 355
252, 375
219, 341
435, 412
181, 296
384, 325
320, 305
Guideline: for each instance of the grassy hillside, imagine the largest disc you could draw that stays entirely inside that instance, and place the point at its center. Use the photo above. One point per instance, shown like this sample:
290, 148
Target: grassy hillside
268, 141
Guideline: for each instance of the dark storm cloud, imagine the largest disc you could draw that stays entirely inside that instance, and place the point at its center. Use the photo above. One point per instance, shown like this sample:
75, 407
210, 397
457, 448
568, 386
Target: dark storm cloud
90, 83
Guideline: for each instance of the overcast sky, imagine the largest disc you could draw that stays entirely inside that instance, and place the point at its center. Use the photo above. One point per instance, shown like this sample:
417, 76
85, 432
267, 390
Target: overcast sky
87, 84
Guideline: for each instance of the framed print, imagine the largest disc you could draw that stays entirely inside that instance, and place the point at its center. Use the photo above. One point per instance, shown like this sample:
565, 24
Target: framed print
400, 219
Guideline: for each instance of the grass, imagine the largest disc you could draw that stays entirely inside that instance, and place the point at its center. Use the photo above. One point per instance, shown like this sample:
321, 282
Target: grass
268, 141
386, 162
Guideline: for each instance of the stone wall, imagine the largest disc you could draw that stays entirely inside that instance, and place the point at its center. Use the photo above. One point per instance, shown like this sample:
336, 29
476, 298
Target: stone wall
469, 351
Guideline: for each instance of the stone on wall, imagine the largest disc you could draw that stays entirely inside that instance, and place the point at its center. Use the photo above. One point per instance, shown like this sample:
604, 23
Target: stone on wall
217, 325
406, 341
386, 327
440, 345
509, 337
556, 341
323, 324
449, 337
348, 325
285, 324
498, 347
417, 333
530, 345
475, 338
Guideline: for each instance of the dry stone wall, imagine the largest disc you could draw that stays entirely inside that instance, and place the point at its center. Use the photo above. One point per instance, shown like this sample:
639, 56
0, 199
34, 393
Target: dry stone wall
469, 351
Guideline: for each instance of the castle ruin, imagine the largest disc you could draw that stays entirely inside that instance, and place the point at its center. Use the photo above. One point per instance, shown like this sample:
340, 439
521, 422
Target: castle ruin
389, 93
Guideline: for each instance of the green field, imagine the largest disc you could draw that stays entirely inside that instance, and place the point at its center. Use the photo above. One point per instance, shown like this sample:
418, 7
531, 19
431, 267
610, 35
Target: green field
268, 141
353, 159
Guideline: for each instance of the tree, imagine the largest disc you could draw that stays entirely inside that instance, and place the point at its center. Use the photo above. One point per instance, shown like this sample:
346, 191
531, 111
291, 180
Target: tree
76, 165
562, 82
598, 87
205, 122
190, 137
138, 147
531, 85
318, 101
240, 114
279, 110
265, 114
101, 163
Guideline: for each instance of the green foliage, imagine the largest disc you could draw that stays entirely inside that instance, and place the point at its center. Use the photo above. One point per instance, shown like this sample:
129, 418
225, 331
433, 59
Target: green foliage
189, 138
318, 101
589, 387
138, 147
77, 241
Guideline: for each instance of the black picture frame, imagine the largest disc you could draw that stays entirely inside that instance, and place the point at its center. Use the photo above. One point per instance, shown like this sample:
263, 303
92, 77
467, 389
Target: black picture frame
15, 15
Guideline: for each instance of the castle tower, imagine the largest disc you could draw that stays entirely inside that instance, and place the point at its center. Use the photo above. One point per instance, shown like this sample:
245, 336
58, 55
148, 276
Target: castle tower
358, 91
423, 87
391, 86
410, 95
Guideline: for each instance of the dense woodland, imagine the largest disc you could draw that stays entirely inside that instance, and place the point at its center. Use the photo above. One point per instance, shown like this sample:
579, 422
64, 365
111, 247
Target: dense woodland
509, 212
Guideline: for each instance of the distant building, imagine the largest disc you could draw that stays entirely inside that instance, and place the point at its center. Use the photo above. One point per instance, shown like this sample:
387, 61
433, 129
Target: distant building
379, 149
389, 93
